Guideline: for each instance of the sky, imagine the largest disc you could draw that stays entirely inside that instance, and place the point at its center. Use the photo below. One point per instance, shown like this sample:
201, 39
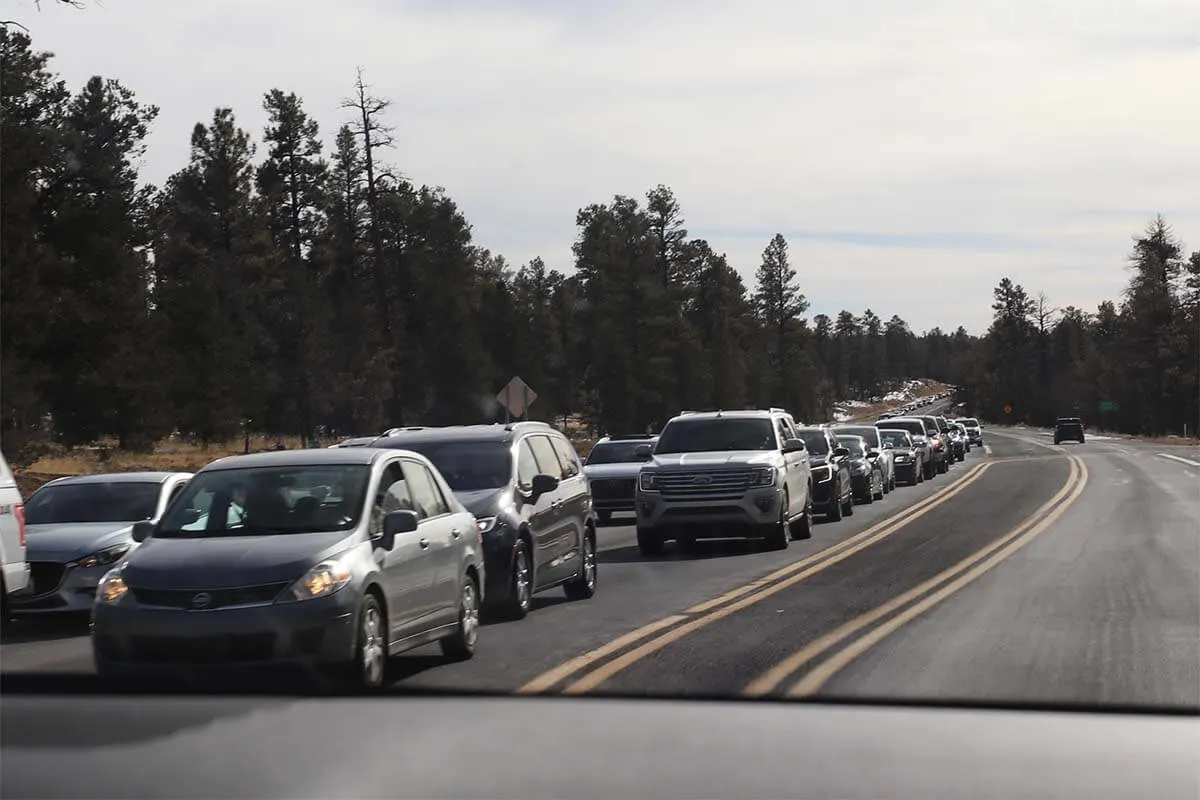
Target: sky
913, 152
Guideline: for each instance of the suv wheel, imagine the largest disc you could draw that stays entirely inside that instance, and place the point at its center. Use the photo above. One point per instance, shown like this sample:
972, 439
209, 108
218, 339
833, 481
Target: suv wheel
584, 586
802, 527
650, 541
777, 533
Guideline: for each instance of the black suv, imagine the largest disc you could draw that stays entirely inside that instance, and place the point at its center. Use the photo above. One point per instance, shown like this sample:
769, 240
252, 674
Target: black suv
833, 491
533, 508
1068, 428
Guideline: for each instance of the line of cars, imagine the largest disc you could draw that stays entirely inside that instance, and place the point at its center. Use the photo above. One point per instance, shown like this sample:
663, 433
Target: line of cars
334, 559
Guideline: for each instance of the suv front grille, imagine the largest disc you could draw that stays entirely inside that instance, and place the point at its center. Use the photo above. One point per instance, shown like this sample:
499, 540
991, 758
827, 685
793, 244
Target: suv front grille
613, 488
708, 485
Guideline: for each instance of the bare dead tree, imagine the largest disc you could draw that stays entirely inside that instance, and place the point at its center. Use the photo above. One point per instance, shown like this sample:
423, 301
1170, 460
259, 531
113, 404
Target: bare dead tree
376, 134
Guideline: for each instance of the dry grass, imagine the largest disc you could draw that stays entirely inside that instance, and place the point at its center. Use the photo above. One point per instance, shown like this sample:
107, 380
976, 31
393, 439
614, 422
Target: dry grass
170, 456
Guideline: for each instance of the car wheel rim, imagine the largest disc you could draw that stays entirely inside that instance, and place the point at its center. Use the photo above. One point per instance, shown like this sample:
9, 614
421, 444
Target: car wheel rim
522, 579
470, 614
372, 646
589, 564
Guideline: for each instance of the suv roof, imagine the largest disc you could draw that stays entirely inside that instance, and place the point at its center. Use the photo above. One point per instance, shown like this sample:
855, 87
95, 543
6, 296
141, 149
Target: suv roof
743, 413
467, 433
629, 437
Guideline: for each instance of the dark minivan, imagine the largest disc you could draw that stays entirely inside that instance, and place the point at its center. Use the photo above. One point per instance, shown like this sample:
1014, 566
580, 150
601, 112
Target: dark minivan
533, 506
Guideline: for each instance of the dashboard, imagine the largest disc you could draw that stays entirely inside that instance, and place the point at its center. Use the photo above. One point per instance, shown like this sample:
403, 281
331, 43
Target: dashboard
509, 747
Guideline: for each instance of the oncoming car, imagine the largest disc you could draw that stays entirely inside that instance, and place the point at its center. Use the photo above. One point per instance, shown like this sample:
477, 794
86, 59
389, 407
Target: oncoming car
322, 558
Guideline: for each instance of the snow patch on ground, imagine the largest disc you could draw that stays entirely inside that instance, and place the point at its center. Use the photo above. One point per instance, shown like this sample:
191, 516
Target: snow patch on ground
841, 416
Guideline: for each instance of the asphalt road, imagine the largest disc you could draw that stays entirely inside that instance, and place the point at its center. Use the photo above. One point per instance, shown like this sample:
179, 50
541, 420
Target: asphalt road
1029, 572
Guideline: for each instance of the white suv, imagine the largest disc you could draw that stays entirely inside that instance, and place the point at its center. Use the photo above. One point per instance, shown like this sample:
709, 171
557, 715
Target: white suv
722, 473
15, 575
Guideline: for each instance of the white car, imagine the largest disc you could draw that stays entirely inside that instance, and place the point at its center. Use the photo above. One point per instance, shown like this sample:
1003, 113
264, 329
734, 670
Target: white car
15, 575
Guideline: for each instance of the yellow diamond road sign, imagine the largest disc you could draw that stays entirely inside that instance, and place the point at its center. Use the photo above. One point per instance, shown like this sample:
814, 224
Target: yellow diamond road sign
516, 397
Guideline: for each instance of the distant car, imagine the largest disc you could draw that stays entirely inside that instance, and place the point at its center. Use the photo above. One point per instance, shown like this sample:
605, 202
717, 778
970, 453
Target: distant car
1068, 428
875, 450
866, 476
533, 507
919, 431
612, 468
357, 441
14, 568
974, 430
905, 455
301, 558
79, 526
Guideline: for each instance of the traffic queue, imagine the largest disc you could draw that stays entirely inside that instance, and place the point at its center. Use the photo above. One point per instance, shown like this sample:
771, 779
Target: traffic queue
335, 559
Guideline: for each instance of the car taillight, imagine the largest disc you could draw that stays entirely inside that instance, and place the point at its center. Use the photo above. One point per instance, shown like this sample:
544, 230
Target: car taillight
20, 511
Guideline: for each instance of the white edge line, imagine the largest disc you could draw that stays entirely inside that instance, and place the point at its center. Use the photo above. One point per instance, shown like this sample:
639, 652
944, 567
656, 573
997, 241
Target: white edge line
1180, 459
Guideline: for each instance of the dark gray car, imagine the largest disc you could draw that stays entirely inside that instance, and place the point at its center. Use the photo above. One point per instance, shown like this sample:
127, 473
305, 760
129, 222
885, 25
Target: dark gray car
79, 526
323, 557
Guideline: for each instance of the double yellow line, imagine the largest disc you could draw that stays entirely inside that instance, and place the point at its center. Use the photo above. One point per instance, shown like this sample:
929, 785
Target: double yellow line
914, 602
675, 627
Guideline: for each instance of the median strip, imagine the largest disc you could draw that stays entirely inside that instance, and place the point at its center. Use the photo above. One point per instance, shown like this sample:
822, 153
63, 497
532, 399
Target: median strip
736, 600
1029, 528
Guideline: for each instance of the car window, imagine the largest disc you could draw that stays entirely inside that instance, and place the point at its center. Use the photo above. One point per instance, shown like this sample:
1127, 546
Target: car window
527, 465
393, 495
176, 491
785, 431
568, 457
427, 498
547, 460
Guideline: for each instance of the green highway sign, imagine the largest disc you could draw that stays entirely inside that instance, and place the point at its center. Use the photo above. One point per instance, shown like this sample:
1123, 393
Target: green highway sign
1109, 405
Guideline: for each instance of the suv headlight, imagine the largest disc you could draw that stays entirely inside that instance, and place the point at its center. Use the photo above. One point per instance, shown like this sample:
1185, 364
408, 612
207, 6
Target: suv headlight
822, 473
111, 588
648, 481
485, 524
764, 477
321, 581
103, 556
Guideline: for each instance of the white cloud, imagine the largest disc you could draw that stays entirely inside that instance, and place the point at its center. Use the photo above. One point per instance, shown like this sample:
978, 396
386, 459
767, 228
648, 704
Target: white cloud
1051, 132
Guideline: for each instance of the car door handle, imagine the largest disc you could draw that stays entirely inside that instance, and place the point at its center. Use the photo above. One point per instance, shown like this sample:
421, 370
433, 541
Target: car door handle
556, 504
424, 544
456, 533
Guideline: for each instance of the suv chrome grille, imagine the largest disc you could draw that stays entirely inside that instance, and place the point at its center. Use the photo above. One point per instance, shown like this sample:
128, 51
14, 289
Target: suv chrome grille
708, 485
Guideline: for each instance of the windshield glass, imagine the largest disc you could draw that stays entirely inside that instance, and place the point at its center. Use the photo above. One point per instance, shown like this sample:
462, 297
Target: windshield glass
615, 452
816, 442
258, 500
853, 444
118, 501
895, 438
716, 434
970, 422
914, 427
868, 432
467, 466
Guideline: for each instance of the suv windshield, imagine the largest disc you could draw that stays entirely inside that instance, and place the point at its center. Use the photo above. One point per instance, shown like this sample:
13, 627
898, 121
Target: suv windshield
258, 500
816, 442
970, 422
118, 501
467, 466
895, 438
716, 434
914, 427
854, 444
868, 432
615, 452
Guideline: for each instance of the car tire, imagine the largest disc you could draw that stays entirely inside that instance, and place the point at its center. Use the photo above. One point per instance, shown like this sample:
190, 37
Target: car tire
584, 586
776, 534
802, 528
520, 583
460, 645
882, 487
650, 541
836, 507
371, 645
848, 508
